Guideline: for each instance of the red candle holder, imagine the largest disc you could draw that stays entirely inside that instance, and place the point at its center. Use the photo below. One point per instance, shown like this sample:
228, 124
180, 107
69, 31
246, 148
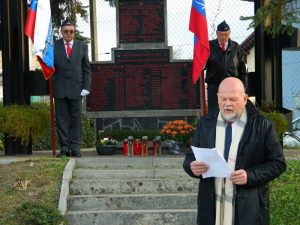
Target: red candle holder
125, 147
154, 147
137, 147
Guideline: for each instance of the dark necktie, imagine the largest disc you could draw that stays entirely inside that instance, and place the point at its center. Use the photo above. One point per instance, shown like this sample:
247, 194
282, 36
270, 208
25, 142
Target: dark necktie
228, 138
69, 49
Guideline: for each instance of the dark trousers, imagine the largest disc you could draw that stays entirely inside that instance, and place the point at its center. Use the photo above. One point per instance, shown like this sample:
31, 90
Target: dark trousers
68, 123
212, 98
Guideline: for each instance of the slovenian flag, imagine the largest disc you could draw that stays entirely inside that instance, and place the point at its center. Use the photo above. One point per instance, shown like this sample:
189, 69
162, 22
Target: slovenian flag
198, 25
38, 28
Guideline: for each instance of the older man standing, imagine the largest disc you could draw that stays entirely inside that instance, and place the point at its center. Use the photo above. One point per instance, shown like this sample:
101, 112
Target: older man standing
225, 60
252, 150
71, 81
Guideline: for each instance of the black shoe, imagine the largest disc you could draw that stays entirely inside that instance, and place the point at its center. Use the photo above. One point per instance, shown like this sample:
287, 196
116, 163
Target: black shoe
62, 154
75, 154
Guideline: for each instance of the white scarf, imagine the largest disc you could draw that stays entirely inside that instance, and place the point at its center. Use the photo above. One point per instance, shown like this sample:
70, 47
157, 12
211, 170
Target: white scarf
224, 188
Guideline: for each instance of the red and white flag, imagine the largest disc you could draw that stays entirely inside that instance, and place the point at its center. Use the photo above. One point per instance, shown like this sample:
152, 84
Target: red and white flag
198, 25
38, 28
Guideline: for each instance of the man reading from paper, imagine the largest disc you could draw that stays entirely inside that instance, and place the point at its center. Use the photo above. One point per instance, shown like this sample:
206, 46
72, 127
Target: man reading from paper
250, 145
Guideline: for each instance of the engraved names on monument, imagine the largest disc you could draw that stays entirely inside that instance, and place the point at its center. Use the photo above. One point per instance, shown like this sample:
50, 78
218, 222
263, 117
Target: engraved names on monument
141, 21
131, 85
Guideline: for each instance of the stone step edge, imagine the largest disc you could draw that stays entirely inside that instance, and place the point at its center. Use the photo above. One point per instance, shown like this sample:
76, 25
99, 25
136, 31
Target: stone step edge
136, 195
131, 159
124, 170
144, 172
134, 179
160, 211
65, 186
148, 175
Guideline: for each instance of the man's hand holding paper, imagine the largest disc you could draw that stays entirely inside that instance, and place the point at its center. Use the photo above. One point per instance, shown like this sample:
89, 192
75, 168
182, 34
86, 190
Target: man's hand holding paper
210, 161
199, 168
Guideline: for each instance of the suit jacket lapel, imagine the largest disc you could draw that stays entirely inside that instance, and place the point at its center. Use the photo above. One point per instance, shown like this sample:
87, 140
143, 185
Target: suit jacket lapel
62, 49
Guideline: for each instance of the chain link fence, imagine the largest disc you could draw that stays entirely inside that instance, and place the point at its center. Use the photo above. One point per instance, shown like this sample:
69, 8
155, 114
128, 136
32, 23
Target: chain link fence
178, 34
181, 39
290, 81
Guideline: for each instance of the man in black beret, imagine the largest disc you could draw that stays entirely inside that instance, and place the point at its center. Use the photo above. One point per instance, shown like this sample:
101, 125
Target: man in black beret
226, 60
71, 81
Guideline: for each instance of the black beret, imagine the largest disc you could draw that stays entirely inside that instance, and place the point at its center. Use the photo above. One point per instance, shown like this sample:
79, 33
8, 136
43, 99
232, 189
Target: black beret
67, 22
223, 26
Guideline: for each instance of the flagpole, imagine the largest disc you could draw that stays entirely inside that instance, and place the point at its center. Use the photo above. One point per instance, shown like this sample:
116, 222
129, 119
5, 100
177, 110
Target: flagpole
52, 119
202, 94
198, 25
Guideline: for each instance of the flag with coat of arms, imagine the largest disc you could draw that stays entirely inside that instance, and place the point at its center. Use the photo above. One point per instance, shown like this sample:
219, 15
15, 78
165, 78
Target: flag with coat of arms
38, 28
198, 25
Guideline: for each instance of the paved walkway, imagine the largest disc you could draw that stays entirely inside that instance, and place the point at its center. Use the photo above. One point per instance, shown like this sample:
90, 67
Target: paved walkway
37, 154
91, 152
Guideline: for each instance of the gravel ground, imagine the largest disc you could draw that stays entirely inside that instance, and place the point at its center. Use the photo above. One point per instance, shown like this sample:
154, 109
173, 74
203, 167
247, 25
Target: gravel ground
292, 153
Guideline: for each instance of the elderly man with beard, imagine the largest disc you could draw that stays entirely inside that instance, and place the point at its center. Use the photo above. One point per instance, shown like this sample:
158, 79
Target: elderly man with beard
254, 155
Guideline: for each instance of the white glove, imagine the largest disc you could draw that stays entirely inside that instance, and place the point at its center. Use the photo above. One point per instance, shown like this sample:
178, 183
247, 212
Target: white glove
84, 92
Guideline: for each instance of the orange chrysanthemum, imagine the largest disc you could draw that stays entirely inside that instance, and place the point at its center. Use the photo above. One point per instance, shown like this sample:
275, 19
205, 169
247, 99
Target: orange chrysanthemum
178, 130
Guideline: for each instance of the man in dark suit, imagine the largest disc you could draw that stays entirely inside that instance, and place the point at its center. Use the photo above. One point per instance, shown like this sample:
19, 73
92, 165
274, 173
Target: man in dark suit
71, 81
226, 59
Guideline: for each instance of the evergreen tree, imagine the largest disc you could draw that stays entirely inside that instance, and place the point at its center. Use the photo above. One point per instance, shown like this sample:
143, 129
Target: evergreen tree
61, 9
276, 17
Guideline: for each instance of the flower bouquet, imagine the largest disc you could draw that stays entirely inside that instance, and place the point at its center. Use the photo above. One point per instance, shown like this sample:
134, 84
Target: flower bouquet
178, 134
107, 141
106, 146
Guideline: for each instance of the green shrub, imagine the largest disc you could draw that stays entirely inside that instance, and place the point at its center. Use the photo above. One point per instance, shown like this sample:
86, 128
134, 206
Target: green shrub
268, 109
44, 142
25, 123
88, 141
32, 123
88, 130
280, 122
1, 142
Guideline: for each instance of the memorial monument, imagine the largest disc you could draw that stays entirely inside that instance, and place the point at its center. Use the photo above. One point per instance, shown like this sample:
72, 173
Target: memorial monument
142, 87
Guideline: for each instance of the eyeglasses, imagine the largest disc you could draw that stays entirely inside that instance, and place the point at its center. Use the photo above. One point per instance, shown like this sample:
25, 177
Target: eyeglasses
68, 31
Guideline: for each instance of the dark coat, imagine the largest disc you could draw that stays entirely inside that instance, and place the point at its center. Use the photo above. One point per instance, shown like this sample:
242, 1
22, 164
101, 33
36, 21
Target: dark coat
72, 74
259, 154
221, 64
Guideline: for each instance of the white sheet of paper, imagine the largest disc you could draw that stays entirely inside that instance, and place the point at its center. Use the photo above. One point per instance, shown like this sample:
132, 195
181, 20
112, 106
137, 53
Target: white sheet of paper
218, 167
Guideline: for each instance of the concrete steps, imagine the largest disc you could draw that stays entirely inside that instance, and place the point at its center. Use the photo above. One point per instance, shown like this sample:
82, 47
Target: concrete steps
120, 190
133, 217
131, 201
128, 174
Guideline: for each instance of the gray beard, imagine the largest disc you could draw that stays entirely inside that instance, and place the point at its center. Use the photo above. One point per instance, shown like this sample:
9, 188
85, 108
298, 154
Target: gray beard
232, 118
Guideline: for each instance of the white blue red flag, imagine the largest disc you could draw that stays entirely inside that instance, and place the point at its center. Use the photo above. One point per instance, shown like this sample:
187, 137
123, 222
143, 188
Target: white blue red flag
198, 25
38, 28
